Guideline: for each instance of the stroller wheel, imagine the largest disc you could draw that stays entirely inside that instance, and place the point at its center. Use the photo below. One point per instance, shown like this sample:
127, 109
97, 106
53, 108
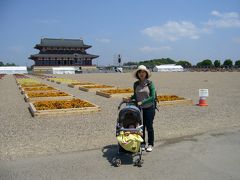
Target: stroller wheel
116, 162
138, 162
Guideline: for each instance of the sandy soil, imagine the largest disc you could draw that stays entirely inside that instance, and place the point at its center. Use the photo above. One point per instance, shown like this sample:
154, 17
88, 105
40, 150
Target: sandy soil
21, 135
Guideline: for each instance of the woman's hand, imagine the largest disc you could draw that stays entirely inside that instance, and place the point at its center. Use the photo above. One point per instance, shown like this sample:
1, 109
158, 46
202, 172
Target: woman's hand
126, 100
139, 103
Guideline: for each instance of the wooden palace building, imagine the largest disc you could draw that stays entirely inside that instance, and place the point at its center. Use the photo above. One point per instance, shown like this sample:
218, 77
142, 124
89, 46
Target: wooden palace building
62, 52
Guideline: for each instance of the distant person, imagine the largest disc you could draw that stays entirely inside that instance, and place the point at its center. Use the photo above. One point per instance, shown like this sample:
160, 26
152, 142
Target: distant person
144, 94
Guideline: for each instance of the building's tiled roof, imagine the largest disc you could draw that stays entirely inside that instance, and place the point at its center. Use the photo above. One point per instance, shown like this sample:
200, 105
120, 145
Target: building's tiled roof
64, 55
62, 43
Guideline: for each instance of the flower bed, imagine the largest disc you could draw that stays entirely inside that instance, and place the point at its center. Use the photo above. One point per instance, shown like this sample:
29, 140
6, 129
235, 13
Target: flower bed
61, 104
94, 87
26, 90
26, 80
57, 107
42, 76
20, 76
62, 80
168, 98
80, 84
39, 88
173, 100
21, 87
117, 92
47, 94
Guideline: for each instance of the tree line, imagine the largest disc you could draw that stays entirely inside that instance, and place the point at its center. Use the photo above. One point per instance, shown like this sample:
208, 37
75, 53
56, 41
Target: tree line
7, 64
207, 63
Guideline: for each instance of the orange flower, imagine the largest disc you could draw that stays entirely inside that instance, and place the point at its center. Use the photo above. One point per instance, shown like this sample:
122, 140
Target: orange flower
168, 98
46, 94
61, 104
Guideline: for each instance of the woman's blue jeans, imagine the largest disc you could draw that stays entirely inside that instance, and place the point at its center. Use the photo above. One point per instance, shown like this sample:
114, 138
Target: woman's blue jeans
148, 117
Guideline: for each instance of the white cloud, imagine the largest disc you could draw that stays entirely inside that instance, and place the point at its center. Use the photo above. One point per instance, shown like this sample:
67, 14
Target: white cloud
148, 49
224, 20
104, 40
225, 15
215, 13
173, 31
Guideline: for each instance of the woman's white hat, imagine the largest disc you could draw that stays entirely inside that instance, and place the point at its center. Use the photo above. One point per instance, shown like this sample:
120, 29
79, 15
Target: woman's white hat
142, 68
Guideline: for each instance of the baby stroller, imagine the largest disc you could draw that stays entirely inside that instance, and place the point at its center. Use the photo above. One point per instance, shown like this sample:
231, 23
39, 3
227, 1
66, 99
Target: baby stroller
128, 133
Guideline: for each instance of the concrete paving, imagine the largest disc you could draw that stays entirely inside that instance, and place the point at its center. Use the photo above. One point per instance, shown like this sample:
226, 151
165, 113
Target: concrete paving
214, 155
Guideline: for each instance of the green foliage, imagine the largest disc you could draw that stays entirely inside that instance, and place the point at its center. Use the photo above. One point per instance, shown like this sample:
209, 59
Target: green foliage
154, 62
184, 64
228, 63
237, 64
205, 63
199, 64
8, 64
130, 63
217, 63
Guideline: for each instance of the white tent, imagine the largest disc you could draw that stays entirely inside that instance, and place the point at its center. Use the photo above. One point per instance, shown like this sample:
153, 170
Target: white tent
168, 68
13, 70
63, 70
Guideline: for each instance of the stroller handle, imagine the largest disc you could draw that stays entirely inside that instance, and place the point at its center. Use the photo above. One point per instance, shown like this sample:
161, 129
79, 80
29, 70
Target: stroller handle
133, 101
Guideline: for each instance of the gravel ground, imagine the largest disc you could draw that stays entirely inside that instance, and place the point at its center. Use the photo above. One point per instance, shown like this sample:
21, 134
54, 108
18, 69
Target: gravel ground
21, 135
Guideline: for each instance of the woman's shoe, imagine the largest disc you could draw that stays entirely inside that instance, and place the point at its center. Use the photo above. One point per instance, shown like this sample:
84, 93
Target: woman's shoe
149, 148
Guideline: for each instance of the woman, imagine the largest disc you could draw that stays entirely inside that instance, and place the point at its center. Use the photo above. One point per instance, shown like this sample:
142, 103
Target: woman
144, 94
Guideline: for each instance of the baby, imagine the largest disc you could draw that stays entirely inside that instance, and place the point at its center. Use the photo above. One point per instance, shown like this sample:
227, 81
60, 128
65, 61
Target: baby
132, 126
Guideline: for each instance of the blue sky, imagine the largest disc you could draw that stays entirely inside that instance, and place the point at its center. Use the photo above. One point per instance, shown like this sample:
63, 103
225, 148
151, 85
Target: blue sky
191, 30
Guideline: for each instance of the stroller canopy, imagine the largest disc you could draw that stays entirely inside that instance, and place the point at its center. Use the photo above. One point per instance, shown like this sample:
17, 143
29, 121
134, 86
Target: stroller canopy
130, 115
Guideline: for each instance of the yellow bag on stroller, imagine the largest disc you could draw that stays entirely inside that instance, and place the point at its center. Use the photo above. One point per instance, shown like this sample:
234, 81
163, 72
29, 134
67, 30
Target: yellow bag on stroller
130, 142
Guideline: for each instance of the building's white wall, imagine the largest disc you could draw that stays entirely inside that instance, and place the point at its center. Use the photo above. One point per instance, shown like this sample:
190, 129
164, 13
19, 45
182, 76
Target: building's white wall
13, 70
63, 70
